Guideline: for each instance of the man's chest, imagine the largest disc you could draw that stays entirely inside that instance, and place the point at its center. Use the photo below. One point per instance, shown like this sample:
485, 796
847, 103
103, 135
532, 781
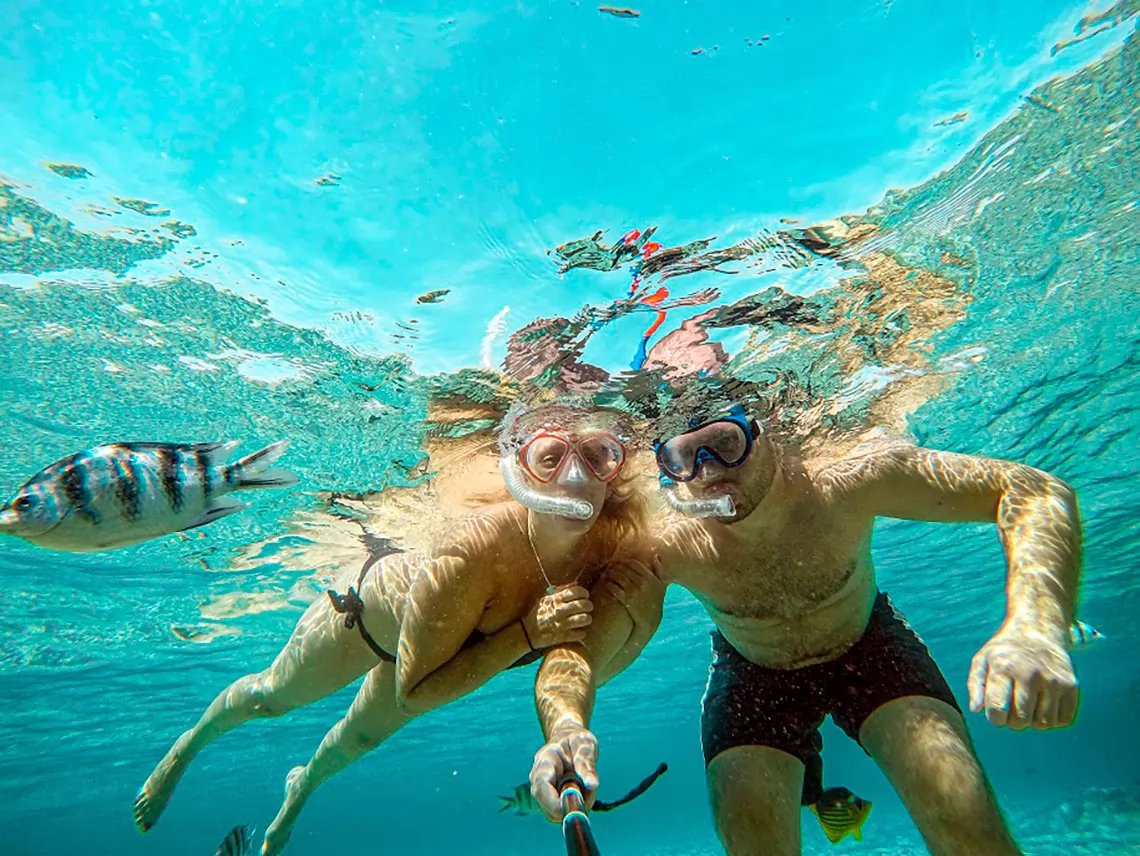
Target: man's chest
783, 576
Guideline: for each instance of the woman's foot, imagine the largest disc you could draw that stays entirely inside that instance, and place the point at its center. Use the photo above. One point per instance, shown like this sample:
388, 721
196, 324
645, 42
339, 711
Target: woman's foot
277, 835
159, 786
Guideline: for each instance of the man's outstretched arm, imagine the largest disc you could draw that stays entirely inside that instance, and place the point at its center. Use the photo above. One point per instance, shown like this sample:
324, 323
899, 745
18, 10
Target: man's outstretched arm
1023, 676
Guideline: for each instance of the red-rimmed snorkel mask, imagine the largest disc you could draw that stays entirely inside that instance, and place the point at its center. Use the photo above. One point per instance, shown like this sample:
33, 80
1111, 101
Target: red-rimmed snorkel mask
546, 456
553, 452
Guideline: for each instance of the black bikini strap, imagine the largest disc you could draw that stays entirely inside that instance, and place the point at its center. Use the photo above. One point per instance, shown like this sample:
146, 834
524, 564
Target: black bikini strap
349, 605
352, 608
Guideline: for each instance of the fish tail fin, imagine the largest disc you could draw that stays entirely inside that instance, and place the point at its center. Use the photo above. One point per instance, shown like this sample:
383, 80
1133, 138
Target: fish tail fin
637, 791
507, 801
857, 832
254, 469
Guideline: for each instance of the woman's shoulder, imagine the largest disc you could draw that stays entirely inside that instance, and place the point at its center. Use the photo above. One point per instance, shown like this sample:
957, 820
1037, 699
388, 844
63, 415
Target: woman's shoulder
480, 532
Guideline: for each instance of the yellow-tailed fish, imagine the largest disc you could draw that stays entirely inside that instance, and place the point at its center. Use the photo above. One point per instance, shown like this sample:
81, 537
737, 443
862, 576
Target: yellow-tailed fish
111, 496
521, 802
840, 812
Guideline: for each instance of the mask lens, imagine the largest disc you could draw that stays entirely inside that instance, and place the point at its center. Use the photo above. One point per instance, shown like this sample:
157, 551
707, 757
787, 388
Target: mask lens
677, 457
724, 440
543, 456
604, 456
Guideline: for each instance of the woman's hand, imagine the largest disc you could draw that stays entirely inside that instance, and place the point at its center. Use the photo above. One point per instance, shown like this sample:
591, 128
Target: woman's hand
558, 618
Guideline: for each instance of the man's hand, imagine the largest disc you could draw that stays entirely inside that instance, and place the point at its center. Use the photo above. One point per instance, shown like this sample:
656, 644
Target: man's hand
572, 751
1024, 680
638, 588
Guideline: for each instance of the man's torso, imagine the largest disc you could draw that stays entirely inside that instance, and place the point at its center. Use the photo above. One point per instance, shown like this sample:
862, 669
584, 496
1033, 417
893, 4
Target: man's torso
785, 596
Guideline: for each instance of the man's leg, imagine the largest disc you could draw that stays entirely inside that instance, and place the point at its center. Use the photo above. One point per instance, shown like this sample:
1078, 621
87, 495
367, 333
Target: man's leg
755, 795
923, 747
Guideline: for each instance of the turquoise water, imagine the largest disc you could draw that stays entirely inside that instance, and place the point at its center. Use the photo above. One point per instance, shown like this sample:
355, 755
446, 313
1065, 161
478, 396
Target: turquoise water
995, 310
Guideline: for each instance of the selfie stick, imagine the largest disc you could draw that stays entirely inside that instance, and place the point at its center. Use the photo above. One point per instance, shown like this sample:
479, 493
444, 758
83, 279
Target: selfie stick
575, 824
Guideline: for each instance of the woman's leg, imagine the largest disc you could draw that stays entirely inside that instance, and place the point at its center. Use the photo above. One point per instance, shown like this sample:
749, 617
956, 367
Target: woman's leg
373, 717
320, 658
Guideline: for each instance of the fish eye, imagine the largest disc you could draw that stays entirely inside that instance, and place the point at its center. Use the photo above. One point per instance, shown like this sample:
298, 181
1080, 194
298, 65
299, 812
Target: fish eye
23, 503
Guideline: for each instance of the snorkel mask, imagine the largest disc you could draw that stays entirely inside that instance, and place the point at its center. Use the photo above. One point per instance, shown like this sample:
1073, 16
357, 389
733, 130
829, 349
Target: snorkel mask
552, 456
727, 440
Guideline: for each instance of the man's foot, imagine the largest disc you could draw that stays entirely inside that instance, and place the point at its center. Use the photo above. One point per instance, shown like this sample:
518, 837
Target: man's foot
278, 832
159, 786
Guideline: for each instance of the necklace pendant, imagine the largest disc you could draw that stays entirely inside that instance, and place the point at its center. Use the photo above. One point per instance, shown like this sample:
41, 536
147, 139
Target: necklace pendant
550, 589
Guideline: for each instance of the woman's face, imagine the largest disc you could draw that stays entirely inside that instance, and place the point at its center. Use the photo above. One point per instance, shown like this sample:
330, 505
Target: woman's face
579, 463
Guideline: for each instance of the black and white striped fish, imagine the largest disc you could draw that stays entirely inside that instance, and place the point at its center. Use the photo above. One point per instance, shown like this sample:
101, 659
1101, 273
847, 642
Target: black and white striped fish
238, 842
123, 493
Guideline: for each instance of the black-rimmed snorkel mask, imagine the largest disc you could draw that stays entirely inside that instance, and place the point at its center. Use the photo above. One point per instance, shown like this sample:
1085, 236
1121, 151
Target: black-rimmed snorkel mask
727, 440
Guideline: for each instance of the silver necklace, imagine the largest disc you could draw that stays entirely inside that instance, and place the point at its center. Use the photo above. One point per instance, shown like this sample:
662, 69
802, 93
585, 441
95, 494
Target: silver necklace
550, 586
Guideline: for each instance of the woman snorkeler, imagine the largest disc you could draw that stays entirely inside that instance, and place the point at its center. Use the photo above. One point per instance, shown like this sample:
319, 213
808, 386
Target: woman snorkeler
504, 584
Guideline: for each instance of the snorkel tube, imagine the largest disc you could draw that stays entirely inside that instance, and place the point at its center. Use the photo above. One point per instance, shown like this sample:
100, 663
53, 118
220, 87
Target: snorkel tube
711, 506
523, 492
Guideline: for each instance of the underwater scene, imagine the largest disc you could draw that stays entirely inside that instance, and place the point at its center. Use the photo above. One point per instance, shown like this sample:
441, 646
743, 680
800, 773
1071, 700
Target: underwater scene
424, 419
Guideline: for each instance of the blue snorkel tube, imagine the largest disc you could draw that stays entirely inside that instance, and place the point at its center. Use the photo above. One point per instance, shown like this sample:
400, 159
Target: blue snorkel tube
575, 823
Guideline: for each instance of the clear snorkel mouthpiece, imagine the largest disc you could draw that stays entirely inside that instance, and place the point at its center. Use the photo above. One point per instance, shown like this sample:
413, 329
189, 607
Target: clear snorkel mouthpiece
712, 506
521, 490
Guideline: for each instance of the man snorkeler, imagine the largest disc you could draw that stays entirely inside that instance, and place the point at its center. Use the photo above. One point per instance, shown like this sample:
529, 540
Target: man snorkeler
779, 552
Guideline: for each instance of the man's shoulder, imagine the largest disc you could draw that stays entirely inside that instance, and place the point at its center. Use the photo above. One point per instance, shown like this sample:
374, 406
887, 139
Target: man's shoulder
683, 543
835, 475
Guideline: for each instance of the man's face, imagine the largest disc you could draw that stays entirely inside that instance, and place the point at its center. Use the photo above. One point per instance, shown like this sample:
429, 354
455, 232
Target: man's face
725, 457
747, 484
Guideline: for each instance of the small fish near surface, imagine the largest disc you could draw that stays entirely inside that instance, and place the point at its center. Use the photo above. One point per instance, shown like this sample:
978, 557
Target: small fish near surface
521, 802
120, 494
238, 842
435, 296
619, 11
840, 812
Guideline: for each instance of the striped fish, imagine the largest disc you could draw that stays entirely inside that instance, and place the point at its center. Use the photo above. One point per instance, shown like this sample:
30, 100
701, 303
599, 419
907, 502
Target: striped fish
521, 801
112, 496
1083, 635
841, 812
238, 842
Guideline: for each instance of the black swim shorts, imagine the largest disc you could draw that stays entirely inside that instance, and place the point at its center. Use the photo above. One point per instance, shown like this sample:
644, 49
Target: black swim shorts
750, 705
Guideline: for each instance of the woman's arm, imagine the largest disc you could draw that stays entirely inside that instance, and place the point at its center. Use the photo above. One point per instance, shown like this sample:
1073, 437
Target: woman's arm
445, 603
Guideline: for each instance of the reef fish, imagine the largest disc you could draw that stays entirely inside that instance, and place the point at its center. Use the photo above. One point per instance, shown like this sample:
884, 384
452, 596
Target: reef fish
522, 803
119, 494
841, 812
238, 842
1082, 635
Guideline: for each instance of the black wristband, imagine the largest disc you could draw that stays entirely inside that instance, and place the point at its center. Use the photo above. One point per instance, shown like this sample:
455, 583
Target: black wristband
526, 635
